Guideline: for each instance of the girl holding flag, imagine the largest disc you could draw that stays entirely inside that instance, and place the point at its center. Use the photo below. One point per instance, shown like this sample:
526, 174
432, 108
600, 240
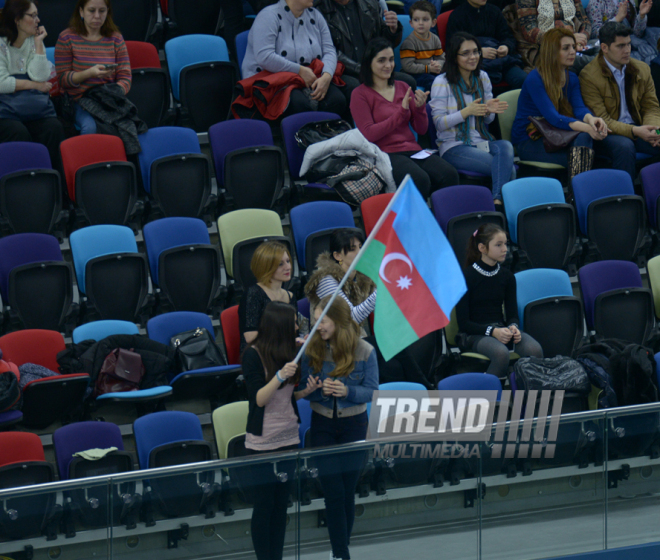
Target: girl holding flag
490, 287
347, 370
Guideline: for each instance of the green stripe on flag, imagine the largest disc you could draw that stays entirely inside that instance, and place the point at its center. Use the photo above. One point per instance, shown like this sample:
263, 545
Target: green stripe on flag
369, 263
392, 329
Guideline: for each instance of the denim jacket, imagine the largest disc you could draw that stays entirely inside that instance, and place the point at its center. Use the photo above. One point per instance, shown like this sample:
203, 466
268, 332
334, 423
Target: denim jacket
361, 382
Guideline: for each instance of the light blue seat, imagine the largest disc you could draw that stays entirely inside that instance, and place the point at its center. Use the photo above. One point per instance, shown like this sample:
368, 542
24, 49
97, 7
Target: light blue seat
98, 330
141, 395
241, 48
407, 30
50, 51
539, 283
471, 382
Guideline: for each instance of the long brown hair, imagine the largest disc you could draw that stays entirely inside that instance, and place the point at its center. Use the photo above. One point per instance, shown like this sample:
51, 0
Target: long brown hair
13, 10
344, 341
484, 234
78, 25
551, 71
276, 339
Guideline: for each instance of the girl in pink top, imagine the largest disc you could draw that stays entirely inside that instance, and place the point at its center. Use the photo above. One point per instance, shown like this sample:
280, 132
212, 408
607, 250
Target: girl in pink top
384, 109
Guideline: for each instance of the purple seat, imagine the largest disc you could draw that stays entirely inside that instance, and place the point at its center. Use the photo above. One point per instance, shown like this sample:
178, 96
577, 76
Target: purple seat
18, 156
239, 147
295, 154
651, 184
10, 418
616, 304
460, 210
604, 197
35, 281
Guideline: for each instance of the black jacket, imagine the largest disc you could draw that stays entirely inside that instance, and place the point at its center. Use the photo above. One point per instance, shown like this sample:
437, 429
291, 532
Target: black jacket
372, 25
88, 356
486, 21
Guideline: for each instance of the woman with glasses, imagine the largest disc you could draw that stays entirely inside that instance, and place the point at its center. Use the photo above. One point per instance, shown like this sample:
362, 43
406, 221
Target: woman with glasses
552, 92
91, 53
26, 111
384, 110
462, 105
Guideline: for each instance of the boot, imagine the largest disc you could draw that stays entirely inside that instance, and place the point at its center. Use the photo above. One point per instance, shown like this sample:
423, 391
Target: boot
580, 159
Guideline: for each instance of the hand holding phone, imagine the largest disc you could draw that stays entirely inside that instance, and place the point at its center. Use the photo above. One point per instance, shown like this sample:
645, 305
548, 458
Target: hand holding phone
110, 66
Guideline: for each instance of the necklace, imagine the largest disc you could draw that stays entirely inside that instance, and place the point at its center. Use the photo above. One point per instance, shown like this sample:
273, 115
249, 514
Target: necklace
485, 272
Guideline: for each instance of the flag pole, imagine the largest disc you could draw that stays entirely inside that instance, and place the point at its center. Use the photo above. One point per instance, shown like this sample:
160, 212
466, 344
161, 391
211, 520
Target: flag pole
351, 268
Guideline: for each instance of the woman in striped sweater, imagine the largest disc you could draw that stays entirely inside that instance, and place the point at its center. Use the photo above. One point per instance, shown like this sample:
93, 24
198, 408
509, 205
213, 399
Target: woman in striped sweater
89, 53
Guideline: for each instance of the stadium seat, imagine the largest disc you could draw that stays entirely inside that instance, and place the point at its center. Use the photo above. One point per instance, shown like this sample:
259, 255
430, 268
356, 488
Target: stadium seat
231, 332
650, 176
241, 48
150, 90
185, 19
540, 221
202, 78
100, 181
36, 283
30, 191
653, 269
229, 423
218, 384
184, 264
168, 438
460, 210
407, 30
112, 275
604, 197
98, 330
239, 147
548, 310
176, 174
136, 19
312, 224
50, 398
372, 208
616, 305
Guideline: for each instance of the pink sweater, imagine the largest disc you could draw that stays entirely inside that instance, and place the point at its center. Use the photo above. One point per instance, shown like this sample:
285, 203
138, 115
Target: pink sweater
385, 123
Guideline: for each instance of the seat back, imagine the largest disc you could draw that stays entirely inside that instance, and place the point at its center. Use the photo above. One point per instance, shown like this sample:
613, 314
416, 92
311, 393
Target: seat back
81, 436
441, 23
240, 225
372, 208
89, 149
248, 190
525, 193
229, 422
98, 330
192, 49
19, 156
162, 328
206, 90
150, 85
16, 447
95, 241
168, 233
317, 216
407, 30
291, 125
35, 346
650, 176
241, 47
506, 119
653, 269
200, 18
231, 331
142, 55
162, 142
136, 19
471, 382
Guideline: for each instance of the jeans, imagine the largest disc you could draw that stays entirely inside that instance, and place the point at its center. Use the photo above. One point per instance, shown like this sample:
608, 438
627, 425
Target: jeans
270, 498
499, 353
515, 76
85, 121
498, 163
533, 150
425, 81
429, 174
623, 152
339, 474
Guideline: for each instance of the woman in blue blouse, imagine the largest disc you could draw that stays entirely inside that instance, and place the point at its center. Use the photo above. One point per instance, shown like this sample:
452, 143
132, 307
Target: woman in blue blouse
347, 370
552, 92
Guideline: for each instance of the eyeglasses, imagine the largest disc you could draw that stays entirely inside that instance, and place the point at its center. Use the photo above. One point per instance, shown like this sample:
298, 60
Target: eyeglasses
468, 54
34, 16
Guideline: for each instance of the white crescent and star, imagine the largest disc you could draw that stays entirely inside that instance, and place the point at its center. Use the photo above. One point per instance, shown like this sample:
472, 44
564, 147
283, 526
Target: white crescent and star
403, 282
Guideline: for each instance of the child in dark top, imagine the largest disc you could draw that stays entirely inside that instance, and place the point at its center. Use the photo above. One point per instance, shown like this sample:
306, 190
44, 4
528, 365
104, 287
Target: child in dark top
479, 313
272, 424
421, 52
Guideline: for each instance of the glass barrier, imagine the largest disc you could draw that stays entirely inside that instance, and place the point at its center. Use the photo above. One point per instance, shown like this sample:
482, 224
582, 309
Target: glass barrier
533, 490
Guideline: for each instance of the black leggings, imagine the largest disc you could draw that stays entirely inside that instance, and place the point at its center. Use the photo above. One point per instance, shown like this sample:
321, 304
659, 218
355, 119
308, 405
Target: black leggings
300, 102
429, 174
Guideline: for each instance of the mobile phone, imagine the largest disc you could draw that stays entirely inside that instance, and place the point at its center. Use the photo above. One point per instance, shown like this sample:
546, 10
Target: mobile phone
110, 66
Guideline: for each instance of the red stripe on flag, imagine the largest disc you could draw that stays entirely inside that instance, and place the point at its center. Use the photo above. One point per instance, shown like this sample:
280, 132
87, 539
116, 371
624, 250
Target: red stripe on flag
407, 287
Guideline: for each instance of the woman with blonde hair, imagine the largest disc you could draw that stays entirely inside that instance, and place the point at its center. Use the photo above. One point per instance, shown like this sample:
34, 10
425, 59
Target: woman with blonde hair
346, 368
271, 266
552, 92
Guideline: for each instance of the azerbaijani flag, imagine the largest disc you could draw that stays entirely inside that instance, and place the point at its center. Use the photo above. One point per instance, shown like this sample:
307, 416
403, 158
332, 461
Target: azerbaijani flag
415, 269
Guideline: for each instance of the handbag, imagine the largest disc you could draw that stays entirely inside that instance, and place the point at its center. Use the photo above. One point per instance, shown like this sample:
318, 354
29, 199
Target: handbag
357, 182
314, 132
122, 371
554, 139
556, 374
196, 349
26, 105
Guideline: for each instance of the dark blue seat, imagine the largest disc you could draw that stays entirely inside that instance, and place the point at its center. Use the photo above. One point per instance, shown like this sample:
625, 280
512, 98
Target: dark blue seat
98, 330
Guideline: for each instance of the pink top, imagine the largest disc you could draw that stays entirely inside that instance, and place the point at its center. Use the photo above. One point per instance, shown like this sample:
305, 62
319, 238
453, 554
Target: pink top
280, 428
385, 123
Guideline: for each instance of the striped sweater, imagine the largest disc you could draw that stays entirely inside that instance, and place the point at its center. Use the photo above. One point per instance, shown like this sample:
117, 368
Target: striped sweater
74, 53
416, 53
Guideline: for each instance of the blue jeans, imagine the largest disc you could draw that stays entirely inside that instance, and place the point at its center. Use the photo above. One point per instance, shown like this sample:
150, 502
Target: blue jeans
425, 81
533, 150
498, 163
339, 474
623, 152
85, 121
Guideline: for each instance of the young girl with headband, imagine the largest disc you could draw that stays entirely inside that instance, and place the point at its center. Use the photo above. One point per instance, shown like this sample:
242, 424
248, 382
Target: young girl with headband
487, 330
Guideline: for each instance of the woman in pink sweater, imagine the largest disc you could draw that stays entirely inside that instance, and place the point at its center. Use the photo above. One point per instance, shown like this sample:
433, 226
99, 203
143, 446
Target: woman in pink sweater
383, 109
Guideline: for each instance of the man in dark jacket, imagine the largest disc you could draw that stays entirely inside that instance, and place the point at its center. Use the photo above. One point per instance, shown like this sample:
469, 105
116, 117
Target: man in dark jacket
353, 23
486, 21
